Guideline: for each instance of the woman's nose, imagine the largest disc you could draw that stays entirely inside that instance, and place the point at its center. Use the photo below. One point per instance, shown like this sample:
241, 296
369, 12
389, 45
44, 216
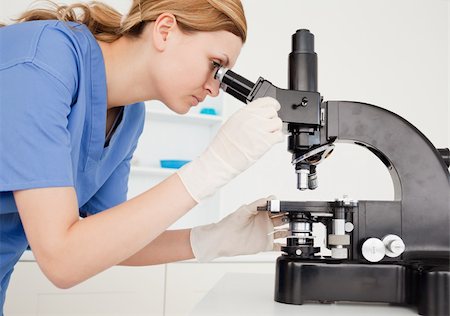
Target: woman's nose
212, 86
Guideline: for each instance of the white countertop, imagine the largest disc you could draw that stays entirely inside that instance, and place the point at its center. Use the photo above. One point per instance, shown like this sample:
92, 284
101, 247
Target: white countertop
252, 294
260, 257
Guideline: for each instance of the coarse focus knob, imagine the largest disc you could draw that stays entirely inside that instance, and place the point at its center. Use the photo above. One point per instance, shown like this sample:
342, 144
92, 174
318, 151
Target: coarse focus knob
373, 250
394, 245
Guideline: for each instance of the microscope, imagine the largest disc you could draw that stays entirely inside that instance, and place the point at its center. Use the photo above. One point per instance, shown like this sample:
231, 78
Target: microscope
395, 251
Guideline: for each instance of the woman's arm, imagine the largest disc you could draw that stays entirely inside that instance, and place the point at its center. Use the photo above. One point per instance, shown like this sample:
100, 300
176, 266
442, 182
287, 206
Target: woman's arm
70, 250
170, 246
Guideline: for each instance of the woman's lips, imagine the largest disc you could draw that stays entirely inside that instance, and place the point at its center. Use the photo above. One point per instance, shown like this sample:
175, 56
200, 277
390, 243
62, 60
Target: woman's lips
196, 100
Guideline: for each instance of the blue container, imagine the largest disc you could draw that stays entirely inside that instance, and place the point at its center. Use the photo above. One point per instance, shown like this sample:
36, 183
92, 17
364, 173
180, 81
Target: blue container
173, 164
208, 111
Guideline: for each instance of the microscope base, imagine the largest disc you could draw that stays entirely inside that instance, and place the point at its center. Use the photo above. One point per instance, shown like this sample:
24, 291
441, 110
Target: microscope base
299, 280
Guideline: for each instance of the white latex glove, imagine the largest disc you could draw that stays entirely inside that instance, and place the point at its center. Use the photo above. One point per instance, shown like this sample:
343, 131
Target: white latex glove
244, 232
244, 138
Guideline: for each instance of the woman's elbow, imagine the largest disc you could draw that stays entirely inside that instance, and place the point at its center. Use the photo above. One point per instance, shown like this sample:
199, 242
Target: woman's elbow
63, 282
59, 274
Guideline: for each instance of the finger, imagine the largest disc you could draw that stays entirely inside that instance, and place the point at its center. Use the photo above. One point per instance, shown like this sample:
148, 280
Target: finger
265, 102
276, 215
252, 208
274, 125
281, 234
264, 112
275, 137
278, 221
260, 202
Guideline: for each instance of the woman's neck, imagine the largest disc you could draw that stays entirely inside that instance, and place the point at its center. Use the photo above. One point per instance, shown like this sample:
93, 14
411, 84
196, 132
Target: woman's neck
127, 72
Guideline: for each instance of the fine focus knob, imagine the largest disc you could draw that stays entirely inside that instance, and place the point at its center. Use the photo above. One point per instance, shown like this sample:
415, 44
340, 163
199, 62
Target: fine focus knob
373, 250
394, 245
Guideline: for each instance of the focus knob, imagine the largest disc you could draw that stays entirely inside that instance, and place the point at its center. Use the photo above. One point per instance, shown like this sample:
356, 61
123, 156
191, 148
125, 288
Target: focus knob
394, 245
373, 250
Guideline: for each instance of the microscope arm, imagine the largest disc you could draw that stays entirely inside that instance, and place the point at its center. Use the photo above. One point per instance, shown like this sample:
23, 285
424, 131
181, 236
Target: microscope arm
297, 107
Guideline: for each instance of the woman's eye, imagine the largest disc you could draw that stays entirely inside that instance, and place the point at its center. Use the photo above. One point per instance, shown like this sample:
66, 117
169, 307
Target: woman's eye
215, 64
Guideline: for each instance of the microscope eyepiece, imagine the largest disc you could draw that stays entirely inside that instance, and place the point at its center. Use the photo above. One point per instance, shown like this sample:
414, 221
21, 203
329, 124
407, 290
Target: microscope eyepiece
234, 84
220, 73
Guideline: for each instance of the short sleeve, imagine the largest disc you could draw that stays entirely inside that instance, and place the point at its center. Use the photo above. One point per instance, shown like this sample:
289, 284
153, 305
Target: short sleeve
113, 192
35, 148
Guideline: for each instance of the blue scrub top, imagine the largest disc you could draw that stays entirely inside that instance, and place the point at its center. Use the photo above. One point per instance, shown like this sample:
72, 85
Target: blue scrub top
53, 104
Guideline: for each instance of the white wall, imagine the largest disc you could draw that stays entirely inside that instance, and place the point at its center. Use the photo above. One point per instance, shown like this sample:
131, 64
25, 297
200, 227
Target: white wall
391, 53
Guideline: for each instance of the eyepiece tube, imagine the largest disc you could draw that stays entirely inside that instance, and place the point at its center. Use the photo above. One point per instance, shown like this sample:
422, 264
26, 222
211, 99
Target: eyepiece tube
234, 84
234, 93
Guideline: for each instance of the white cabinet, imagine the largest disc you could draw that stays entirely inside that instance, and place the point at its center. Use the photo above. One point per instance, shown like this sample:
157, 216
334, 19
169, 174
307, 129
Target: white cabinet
135, 291
187, 283
165, 290
170, 136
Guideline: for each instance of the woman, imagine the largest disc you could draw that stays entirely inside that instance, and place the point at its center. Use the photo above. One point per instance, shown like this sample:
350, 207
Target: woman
71, 113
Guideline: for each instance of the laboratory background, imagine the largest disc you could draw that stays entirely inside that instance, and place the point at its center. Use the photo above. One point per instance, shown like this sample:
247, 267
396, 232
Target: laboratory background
391, 53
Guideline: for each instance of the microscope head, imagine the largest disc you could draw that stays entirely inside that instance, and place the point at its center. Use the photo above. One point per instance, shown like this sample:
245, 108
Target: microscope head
301, 106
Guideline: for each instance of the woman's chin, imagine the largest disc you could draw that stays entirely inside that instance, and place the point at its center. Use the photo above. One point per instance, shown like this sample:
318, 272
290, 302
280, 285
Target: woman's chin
181, 109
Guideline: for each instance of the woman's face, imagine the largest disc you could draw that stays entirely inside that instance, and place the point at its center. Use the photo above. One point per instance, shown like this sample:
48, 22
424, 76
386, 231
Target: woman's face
186, 66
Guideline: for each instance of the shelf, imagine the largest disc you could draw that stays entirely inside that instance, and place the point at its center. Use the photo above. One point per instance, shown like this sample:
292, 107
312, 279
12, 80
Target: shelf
152, 171
203, 119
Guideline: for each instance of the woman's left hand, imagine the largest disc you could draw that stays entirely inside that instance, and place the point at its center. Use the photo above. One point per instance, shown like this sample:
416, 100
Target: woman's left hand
243, 232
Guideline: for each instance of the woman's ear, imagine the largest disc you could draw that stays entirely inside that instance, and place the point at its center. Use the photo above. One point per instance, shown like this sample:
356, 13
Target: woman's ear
164, 26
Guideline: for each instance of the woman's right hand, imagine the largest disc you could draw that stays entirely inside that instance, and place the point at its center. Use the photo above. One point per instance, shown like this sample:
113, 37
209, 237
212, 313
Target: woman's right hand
246, 136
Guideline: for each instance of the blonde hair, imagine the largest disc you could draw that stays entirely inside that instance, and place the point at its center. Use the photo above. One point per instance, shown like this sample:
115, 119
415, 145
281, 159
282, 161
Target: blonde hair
108, 25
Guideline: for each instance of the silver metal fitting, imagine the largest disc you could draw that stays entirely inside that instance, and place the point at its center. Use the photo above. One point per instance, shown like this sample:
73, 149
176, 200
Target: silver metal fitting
394, 245
349, 227
302, 179
274, 206
220, 73
339, 253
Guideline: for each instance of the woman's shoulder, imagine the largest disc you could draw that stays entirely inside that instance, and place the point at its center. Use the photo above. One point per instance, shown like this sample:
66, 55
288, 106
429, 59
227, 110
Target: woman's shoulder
21, 42
55, 46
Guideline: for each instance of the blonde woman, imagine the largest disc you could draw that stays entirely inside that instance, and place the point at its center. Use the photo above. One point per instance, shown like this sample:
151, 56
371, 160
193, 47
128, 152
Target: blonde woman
73, 79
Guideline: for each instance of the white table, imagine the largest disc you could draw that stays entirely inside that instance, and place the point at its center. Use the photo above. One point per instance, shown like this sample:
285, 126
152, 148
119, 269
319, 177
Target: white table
252, 294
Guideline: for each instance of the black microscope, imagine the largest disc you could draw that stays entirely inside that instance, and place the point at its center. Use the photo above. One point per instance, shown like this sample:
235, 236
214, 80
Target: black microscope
374, 251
